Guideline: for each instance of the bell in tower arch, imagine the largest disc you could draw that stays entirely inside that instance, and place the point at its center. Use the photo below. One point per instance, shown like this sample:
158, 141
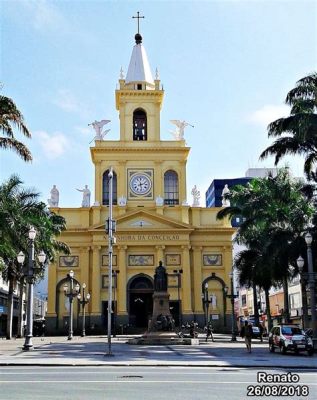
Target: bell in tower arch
139, 125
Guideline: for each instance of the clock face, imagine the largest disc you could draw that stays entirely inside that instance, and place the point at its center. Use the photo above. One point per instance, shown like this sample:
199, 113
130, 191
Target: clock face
140, 184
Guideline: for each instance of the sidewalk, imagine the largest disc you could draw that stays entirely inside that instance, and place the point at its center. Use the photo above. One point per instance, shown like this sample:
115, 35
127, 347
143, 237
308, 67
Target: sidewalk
92, 351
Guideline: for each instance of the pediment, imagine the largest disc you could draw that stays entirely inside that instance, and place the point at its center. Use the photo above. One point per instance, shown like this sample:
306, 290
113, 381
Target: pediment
146, 220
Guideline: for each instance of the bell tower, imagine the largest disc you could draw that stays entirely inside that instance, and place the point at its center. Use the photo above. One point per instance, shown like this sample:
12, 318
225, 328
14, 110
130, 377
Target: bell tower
148, 171
139, 99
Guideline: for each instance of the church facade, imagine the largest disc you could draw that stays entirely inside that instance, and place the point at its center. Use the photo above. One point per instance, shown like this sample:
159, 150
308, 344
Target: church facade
153, 223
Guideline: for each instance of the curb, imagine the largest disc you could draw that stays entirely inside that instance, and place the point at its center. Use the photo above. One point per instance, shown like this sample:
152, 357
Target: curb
158, 365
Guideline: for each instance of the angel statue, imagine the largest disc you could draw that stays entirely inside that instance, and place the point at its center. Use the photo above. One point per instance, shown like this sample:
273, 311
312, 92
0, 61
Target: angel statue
180, 127
196, 196
98, 125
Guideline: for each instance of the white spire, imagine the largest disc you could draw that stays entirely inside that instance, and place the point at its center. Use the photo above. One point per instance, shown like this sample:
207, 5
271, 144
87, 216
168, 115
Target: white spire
139, 68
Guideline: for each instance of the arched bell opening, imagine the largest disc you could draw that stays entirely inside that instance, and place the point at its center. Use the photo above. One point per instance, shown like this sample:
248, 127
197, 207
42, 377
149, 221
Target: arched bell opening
139, 125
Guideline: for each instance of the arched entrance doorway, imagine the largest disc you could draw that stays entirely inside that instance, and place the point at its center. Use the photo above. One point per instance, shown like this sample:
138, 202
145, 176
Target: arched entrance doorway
62, 308
140, 292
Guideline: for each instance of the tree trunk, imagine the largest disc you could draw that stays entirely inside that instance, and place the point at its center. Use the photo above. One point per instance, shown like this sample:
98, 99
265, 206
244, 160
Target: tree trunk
286, 302
255, 306
21, 308
10, 309
268, 309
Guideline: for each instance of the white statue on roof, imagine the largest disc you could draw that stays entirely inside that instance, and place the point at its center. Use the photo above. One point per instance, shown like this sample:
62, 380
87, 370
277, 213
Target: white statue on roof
196, 196
86, 196
225, 191
53, 201
180, 128
98, 125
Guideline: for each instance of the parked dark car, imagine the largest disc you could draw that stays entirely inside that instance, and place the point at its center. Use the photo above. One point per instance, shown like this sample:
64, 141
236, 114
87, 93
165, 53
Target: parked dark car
290, 337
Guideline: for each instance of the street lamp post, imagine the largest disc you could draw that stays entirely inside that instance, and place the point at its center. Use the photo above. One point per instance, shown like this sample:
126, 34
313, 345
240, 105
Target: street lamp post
300, 264
232, 296
110, 228
311, 277
30, 278
83, 300
115, 274
178, 272
206, 302
71, 292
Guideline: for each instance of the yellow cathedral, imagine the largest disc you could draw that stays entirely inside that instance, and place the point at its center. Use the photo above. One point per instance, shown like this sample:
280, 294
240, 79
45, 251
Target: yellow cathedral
153, 223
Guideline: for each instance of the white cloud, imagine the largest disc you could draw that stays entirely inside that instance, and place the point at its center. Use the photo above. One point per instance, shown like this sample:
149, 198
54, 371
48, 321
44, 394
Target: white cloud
44, 15
267, 114
53, 145
67, 101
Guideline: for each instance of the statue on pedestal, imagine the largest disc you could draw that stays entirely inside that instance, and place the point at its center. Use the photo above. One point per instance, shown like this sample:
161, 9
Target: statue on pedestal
196, 196
53, 201
86, 196
160, 278
225, 201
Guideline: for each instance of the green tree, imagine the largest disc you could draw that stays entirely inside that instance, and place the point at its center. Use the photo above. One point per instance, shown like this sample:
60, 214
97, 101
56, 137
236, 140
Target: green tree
19, 209
10, 118
297, 133
275, 211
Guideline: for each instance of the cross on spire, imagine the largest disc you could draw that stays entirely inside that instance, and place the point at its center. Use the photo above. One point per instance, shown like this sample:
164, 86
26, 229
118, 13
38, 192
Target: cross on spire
138, 17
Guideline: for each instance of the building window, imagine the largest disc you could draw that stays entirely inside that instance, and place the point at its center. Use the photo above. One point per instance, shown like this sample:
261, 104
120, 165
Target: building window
139, 86
171, 196
243, 300
139, 125
105, 188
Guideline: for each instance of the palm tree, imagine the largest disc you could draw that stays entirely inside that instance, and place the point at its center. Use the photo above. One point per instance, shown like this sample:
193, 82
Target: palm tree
297, 133
254, 266
20, 209
11, 117
275, 211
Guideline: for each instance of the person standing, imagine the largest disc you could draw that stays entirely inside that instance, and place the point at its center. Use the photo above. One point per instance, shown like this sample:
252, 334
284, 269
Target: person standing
246, 333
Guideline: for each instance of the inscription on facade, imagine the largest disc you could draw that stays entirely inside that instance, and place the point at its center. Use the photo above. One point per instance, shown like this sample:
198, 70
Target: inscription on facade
148, 237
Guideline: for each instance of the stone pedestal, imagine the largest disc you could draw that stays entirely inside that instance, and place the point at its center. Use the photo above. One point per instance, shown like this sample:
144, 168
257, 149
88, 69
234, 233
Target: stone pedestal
161, 329
161, 311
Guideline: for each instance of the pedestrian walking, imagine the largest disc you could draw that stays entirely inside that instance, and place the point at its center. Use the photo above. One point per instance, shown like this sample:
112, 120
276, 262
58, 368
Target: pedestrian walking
246, 333
209, 332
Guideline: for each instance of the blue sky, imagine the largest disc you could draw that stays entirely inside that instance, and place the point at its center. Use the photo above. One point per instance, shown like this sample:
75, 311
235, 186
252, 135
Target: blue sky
226, 67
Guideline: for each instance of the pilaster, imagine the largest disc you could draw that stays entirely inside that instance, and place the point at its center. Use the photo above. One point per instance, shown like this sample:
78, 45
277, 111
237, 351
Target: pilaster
95, 281
51, 300
186, 287
84, 266
160, 254
122, 280
197, 274
98, 182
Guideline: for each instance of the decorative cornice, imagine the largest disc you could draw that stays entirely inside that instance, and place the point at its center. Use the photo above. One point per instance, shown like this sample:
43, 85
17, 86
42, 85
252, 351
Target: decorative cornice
140, 149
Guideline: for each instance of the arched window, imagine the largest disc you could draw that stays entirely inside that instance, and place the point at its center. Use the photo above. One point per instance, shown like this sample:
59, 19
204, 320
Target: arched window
139, 125
171, 195
105, 188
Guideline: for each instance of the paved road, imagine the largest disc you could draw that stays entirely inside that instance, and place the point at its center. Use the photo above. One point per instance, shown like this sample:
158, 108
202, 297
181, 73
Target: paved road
135, 383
